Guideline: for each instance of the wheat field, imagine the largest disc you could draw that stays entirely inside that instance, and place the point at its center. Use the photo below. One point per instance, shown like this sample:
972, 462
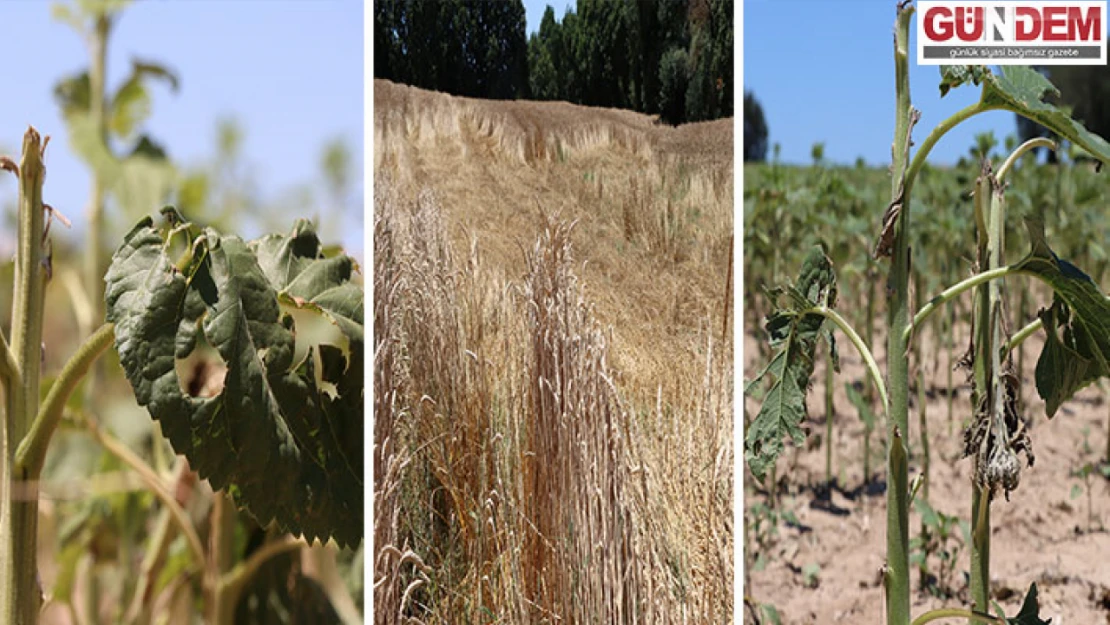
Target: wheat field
553, 363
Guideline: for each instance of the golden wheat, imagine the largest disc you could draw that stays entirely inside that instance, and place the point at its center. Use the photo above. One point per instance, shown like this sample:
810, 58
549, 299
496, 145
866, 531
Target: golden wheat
557, 442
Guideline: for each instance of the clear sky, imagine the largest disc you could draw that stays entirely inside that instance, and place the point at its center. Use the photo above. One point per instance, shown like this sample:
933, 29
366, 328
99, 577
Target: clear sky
824, 71
290, 71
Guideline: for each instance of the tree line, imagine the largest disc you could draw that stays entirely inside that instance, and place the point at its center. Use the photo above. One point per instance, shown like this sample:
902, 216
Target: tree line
671, 58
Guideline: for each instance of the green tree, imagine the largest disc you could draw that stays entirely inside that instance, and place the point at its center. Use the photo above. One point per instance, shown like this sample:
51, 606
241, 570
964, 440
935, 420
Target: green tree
755, 130
544, 47
386, 40
709, 95
674, 76
701, 93
603, 52
496, 49
572, 73
721, 64
466, 47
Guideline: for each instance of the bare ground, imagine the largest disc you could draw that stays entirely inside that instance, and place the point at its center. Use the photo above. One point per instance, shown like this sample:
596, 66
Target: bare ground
1045, 534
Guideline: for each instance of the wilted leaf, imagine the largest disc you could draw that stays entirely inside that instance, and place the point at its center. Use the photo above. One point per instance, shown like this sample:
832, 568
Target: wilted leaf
1077, 325
131, 102
952, 76
794, 335
1030, 610
130, 107
1022, 89
284, 435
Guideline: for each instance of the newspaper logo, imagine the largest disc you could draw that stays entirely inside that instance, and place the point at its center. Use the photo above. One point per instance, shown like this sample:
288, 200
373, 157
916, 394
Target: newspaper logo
1011, 33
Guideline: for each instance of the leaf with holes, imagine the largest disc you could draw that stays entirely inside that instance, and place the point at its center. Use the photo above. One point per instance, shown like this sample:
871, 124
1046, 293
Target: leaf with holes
284, 434
1022, 89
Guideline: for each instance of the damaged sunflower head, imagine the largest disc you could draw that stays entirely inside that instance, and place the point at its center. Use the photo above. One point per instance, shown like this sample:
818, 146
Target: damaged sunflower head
997, 435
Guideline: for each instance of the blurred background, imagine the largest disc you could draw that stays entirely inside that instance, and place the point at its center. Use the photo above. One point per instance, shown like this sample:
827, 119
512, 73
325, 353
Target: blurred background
245, 116
256, 108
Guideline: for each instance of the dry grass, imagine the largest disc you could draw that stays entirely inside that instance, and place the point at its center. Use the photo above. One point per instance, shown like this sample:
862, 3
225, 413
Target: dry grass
553, 407
578, 486
654, 206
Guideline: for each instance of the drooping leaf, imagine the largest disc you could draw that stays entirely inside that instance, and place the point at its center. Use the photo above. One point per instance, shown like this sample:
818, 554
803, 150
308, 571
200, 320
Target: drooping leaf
1030, 610
1022, 89
1077, 324
130, 107
1062, 370
284, 434
794, 333
131, 102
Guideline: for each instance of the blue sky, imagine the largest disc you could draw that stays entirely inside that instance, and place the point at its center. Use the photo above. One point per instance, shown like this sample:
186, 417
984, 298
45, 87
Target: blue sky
824, 71
290, 71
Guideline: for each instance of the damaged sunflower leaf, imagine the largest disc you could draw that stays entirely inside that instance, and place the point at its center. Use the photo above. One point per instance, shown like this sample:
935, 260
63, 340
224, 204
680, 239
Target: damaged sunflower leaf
952, 76
1022, 90
795, 330
1077, 325
283, 435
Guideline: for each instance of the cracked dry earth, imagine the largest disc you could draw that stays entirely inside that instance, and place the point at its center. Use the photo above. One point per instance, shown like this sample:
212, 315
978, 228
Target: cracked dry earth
824, 568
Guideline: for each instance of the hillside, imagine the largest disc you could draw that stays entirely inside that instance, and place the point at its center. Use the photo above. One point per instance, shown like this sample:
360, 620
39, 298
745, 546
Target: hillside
634, 308
654, 205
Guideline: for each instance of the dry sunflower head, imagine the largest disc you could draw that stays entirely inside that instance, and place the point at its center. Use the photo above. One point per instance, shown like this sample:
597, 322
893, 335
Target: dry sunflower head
997, 434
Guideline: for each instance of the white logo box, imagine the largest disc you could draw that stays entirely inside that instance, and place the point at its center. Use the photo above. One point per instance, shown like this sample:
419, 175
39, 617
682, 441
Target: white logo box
1046, 32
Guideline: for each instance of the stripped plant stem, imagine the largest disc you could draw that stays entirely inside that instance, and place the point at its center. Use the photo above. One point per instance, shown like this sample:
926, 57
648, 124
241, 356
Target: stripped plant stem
20, 595
897, 582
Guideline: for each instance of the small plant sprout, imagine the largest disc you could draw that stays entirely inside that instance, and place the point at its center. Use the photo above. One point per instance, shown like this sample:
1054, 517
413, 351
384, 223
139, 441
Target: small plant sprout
1075, 322
810, 574
938, 548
